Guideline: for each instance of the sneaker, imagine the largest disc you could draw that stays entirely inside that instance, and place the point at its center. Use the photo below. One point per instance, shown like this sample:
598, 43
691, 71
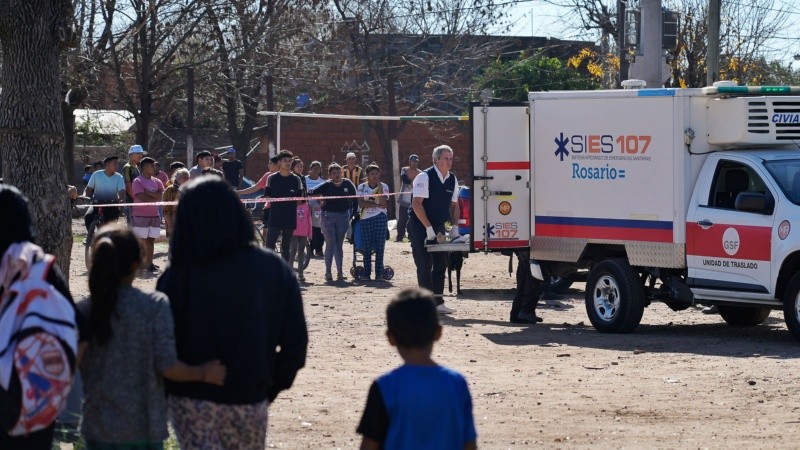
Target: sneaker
398, 239
441, 309
713, 309
526, 318
340, 277
319, 254
152, 267
301, 278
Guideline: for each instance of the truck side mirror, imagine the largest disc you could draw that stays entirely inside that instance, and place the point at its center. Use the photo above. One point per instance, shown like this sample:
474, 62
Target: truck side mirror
752, 202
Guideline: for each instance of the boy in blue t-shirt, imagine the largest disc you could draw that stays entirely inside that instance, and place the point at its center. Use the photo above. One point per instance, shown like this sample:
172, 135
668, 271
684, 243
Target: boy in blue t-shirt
419, 405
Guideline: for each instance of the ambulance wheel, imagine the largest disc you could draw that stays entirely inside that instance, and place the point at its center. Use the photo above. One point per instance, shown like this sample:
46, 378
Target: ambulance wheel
614, 297
388, 273
743, 316
791, 307
359, 272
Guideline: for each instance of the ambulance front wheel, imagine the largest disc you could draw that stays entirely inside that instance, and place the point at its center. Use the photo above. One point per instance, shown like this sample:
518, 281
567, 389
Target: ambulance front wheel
614, 297
791, 307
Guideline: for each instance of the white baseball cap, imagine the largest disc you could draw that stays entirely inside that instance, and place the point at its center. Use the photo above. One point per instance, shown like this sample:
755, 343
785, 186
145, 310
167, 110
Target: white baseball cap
350, 155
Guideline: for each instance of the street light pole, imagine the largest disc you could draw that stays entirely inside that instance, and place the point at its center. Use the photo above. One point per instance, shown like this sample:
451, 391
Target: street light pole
712, 58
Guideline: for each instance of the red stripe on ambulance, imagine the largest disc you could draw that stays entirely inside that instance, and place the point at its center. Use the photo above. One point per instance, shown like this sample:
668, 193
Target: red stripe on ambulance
596, 232
754, 243
508, 165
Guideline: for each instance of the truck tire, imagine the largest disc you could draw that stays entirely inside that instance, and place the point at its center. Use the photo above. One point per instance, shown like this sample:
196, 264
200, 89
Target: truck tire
614, 297
743, 316
791, 307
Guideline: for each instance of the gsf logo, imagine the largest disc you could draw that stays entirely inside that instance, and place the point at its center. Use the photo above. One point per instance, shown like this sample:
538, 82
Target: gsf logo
506, 230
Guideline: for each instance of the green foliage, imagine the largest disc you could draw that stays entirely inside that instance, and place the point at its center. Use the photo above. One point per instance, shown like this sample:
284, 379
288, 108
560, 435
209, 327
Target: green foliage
778, 73
512, 80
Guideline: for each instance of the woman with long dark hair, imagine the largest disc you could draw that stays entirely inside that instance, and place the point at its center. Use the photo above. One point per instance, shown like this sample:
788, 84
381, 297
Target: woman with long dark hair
235, 302
132, 348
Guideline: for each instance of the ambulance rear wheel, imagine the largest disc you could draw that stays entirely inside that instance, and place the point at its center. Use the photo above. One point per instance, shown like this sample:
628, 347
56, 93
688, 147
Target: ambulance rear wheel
614, 297
791, 307
741, 316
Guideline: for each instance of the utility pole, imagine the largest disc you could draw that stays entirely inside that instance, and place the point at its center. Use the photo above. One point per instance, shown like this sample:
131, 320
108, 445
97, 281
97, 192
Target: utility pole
622, 46
190, 118
712, 58
650, 66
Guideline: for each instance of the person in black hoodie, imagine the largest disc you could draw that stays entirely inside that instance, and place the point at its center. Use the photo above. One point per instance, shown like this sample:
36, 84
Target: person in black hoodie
241, 322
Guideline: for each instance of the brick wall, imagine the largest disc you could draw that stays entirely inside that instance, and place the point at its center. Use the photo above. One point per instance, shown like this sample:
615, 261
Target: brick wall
329, 140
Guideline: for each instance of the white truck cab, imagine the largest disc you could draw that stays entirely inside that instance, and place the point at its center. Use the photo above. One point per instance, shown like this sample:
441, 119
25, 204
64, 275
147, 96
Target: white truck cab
676, 195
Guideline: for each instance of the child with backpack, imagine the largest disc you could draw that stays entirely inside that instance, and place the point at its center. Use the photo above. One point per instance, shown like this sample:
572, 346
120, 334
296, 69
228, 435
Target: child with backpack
419, 405
38, 332
132, 348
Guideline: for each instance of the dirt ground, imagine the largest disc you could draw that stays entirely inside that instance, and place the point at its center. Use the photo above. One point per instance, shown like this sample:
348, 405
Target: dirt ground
682, 380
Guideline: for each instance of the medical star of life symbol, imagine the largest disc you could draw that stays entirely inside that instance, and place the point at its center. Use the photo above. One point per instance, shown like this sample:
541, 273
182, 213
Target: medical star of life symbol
562, 142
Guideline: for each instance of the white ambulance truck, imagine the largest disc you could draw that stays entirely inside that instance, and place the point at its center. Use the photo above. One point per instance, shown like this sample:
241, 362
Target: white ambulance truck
676, 195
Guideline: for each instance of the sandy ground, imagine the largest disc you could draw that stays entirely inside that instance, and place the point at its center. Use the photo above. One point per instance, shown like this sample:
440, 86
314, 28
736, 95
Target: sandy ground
682, 380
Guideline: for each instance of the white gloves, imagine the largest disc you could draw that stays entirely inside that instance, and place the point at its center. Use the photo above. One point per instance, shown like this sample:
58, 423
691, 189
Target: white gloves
430, 233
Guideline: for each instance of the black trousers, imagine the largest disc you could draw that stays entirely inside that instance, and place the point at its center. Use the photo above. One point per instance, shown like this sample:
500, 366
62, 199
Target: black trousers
431, 266
402, 221
286, 240
529, 289
317, 239
39, 440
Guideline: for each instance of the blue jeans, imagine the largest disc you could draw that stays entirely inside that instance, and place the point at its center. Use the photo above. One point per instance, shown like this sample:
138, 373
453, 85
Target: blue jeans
334, 227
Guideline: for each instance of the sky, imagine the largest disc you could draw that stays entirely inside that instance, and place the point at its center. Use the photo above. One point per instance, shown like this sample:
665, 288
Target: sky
540, 18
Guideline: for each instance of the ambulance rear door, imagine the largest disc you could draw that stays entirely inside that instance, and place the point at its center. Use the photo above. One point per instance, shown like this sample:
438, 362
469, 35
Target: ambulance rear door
501, 194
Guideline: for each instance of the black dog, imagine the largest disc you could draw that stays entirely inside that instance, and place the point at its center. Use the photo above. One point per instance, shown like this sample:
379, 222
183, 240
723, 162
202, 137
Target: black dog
454, 262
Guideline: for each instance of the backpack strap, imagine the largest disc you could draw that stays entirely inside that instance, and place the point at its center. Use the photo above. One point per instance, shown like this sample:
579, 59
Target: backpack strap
41, 269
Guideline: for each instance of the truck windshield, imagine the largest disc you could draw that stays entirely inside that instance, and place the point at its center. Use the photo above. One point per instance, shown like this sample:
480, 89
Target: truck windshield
787, 173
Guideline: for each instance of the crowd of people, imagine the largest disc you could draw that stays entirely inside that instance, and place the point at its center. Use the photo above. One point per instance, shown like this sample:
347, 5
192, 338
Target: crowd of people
302, 210
186, 338
309, 209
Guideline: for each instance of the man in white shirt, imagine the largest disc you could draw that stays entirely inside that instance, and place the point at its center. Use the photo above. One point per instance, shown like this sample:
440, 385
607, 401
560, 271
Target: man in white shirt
435, 201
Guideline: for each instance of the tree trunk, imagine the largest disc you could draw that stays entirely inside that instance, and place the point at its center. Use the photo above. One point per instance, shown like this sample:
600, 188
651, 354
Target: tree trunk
31, 125
143, 130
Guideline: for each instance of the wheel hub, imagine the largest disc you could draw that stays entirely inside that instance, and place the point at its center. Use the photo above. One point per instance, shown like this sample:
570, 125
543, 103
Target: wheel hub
606, 298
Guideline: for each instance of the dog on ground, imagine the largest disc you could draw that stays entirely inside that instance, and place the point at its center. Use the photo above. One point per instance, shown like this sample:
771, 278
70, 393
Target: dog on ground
455, 260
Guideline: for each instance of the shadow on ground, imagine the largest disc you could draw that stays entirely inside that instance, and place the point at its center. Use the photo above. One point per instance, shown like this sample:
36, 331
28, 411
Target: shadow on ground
768, 340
